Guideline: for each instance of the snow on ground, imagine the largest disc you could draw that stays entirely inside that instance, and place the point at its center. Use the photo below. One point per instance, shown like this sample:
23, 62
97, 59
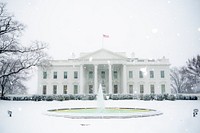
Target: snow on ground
28, 117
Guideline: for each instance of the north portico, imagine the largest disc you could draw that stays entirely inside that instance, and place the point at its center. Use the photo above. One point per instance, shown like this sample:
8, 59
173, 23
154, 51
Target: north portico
102, 67
113, 70
110, 76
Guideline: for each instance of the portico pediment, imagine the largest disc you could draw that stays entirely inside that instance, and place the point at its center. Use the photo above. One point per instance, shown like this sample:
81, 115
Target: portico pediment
103, 54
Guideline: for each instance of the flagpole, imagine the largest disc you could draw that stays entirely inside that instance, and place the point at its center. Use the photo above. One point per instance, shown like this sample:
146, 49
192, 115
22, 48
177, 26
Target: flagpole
104, 36
102, 42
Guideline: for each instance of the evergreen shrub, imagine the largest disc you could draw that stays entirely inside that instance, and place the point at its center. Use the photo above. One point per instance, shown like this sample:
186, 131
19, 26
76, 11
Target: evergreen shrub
159, 97
147, 97
171, 97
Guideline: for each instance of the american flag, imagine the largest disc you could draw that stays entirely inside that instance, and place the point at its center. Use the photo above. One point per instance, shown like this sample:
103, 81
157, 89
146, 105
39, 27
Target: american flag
106, 36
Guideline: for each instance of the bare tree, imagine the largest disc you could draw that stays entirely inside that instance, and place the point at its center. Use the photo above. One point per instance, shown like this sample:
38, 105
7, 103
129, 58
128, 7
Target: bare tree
177, 80
7, 24
16, 60
13, 84
180, 81
187, 78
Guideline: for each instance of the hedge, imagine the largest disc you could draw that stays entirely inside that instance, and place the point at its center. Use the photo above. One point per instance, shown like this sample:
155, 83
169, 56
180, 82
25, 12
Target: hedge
146, 97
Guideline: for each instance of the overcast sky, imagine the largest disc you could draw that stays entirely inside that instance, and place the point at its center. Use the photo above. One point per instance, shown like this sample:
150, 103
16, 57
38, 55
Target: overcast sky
149, 28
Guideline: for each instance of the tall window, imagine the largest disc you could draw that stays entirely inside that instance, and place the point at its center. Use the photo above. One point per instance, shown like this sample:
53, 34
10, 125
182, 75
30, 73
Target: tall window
131, 89
90, 74
44, 90
141, 74
152, 89
141, 89
115, 74
90, 89
54, 75
151, 74
64, 89
75, 74
162, 88
75, 89
130, 74
44, 75
115, 89
103, 74
162, 74
54, 89
65, 75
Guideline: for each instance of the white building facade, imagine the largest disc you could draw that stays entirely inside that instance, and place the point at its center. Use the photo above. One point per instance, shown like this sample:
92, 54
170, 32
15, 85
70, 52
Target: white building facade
113, 70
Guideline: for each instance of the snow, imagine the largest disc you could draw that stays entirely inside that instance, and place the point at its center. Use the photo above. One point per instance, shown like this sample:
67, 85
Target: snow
168, 2
144, 70
28, 117
154, 30
178, 34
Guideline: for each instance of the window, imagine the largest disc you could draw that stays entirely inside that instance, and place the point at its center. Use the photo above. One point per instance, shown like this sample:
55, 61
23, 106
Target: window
141, 74
103, 74
162, 74
75, 89
131, 89
141, 89
90, 75
163, 88
152, 89
64, 89
54, 89
130, 74
151, 74
115, 89
65, 75
90, 89
44, 75
54, 75
75, 75
115, 74
44, 90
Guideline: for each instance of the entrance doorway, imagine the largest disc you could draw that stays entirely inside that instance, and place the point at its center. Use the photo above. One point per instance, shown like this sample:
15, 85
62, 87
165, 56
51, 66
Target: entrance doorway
115, 89
90, 89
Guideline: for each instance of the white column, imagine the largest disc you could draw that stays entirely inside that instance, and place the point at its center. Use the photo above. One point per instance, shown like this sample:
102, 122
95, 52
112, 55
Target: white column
81, 80
124, 80
95, 79
110, 79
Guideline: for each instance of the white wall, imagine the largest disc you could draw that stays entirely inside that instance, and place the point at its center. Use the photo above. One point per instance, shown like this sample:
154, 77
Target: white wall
70, 67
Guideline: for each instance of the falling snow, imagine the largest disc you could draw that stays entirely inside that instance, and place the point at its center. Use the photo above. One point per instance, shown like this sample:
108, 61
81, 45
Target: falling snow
178, 34
154, 31
90, 59
147, 37
149, 28
144, 70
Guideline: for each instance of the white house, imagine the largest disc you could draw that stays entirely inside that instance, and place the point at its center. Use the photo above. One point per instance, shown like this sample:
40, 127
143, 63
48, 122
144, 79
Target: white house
113, 70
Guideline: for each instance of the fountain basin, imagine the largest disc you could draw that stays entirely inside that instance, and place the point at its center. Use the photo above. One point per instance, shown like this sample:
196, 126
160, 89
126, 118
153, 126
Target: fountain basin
106, 113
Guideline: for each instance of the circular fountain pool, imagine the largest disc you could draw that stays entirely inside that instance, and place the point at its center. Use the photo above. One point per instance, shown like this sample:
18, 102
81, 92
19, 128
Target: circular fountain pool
102, 112
106, 113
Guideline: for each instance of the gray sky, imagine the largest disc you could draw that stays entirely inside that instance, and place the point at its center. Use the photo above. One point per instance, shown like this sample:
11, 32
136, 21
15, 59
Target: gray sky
149, 28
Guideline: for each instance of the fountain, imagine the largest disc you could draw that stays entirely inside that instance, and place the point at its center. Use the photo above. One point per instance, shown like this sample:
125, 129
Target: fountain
102, 112
100, 100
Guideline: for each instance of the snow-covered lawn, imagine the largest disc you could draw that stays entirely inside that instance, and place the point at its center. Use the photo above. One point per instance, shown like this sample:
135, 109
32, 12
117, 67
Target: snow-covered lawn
28, 117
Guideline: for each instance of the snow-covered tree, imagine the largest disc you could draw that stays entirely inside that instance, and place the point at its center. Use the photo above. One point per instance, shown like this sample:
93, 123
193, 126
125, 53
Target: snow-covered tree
193, 67
16, 60
192, 71
178, 80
